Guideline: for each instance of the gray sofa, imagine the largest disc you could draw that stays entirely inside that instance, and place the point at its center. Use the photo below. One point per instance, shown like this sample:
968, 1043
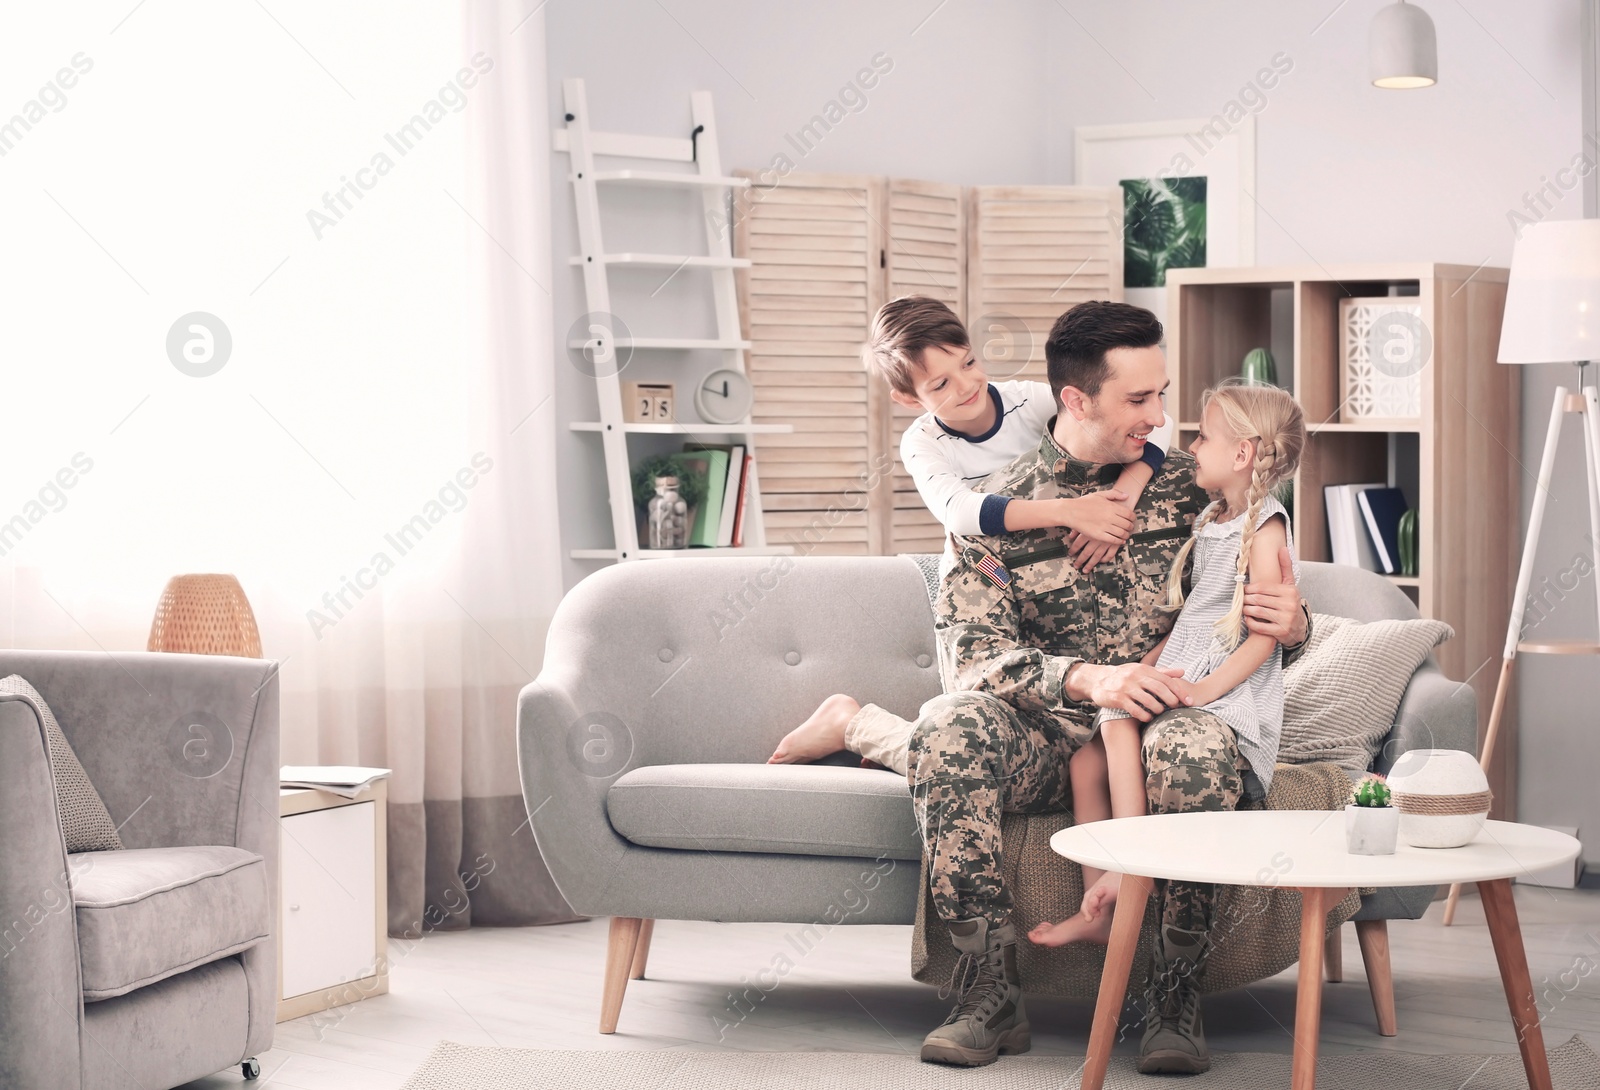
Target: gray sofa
667, 684
150, 967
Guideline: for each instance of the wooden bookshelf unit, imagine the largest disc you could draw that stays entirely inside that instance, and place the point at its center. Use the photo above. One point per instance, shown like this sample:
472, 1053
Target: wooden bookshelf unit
1456, 461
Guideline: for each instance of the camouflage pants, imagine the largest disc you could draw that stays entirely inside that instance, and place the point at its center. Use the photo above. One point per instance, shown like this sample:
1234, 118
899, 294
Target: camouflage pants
1191, 762
974, 757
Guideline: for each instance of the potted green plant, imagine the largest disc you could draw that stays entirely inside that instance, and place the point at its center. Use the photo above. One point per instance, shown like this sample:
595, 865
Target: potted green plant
690, 488
691, 482
1371, 825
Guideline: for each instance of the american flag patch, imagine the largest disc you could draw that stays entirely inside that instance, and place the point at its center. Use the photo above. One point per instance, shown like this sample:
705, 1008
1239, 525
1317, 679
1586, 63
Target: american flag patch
990, 567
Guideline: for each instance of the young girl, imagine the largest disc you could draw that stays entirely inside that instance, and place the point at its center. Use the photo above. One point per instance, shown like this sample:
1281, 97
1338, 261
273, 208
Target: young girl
1250, 441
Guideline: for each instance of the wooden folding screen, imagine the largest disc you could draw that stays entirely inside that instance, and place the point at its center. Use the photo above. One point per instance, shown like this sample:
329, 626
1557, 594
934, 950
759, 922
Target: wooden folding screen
805, 303
826, 251
926, 255
1034, 252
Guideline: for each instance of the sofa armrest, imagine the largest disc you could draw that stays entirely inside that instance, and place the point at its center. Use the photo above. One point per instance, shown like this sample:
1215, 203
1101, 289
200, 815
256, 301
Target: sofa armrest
41, 991
568, 762
1435, 713
184, 750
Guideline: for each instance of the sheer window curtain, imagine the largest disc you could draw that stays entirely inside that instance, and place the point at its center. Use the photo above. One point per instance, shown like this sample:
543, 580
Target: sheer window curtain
362, 202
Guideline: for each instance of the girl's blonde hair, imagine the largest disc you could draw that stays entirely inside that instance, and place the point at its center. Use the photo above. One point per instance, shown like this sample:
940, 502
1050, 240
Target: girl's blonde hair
1270, 418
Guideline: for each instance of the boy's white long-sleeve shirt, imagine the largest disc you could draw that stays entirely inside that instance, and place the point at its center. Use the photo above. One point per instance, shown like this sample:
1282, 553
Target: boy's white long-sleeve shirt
948, 466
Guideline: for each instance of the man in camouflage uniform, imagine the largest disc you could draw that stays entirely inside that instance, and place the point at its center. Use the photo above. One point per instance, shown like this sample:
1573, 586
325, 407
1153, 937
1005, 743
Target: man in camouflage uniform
1030, 647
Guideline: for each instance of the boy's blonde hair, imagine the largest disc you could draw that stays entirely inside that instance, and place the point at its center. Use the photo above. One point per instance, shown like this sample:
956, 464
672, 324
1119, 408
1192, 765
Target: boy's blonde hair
1271, 419
902, 330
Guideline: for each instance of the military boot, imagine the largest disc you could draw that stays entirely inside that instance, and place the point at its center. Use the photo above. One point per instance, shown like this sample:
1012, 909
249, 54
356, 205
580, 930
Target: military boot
989, 1018
1174, 1037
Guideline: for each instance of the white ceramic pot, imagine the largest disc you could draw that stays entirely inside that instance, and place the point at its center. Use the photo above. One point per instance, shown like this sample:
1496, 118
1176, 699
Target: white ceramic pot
1370, 830
1424, 780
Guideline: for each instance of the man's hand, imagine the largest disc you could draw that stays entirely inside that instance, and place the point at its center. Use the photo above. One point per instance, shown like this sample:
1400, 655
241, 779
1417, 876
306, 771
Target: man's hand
1086, 552
1273, 609
1102, 516
1142, 691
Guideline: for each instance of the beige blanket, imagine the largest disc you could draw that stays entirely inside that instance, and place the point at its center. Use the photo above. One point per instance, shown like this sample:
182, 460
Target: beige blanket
1256, 934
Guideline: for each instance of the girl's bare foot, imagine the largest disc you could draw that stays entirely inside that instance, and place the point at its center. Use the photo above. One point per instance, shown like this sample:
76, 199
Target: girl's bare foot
818, 736
1092, 923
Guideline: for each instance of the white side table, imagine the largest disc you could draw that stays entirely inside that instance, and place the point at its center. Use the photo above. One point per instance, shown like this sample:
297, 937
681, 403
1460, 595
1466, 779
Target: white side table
1239, 847
333, 911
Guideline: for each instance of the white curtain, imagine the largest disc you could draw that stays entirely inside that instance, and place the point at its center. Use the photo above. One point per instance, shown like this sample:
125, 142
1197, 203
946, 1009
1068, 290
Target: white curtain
357, 206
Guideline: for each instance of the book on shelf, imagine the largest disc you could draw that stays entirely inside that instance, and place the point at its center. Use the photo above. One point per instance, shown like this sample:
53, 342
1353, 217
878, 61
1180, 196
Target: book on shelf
1348, 541
1381, 509
744, 498
730, 495
712, 463
732, 483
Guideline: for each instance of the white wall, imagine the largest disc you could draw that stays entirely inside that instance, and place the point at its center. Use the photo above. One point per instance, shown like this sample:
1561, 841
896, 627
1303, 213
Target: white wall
991, 94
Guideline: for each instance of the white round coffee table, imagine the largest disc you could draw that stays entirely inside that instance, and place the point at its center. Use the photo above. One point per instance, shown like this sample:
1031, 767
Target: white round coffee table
1243, 848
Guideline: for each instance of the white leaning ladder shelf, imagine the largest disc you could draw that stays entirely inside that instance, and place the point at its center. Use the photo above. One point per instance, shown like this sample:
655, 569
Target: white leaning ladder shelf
700, 150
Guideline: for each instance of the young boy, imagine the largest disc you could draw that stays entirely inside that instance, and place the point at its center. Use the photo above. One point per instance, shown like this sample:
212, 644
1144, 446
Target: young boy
970, 428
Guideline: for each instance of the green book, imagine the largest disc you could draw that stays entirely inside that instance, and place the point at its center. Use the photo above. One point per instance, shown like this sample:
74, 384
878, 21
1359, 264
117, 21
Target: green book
708, 516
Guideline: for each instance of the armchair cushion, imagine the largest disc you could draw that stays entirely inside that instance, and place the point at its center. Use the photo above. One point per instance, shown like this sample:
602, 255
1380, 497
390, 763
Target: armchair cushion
145, 914
773, 809
86, 825
1342, 694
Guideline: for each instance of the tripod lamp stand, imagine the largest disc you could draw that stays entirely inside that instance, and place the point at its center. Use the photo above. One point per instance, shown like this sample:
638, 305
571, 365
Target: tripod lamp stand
1552, 316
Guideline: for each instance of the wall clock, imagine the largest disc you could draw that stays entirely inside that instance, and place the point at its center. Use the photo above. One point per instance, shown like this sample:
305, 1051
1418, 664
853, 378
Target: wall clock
723, 397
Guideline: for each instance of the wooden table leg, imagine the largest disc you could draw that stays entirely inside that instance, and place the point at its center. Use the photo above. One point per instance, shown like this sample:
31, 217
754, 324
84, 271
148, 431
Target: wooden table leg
1314, 905
1132, 894
1501, 911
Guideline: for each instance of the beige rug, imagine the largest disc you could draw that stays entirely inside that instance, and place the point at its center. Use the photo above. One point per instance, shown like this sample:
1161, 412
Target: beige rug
1574, 1066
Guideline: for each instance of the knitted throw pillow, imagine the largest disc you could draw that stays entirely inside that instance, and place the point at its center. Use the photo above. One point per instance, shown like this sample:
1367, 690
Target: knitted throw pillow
1341, 696
85, 823
928, 565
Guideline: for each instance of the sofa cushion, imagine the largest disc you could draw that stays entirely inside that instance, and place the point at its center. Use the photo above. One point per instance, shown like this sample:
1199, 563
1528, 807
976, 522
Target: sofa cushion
772, 809
1342, 693
145, 914
86, 825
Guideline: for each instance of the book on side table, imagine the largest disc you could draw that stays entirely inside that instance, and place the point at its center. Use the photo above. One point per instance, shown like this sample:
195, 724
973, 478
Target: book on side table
347, 781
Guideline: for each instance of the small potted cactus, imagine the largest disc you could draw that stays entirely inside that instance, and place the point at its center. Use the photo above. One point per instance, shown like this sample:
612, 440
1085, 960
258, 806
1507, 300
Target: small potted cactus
1370, 823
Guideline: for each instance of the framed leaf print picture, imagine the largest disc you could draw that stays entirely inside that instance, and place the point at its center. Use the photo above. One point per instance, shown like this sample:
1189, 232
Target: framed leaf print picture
1188, 195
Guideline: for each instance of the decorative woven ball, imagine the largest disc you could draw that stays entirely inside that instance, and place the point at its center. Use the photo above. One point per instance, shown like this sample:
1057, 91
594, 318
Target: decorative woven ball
1442, 795
205, 615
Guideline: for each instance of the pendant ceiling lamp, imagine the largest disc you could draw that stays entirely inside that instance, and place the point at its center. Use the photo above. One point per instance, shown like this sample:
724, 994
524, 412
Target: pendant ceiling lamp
1402, 47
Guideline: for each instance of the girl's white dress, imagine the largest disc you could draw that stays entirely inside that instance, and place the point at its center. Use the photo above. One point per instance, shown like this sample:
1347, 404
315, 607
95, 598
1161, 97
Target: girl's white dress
1254, 708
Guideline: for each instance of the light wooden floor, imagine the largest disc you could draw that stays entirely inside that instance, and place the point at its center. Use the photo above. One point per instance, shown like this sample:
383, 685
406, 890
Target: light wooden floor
540, 988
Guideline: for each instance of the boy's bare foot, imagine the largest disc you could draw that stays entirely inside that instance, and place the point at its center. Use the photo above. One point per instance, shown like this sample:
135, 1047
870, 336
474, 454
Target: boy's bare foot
818, 736
1092, 923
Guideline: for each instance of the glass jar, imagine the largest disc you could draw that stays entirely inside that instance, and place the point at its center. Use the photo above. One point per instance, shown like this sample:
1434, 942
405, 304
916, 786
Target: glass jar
668, 516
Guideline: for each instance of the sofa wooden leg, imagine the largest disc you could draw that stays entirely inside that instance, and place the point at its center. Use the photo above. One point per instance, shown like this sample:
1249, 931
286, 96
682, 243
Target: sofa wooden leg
1333, 955
641, 950
1374, 938
619, 961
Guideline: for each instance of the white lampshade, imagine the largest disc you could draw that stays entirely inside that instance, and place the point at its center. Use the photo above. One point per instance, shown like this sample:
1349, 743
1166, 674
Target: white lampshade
1402, 49
1553, 299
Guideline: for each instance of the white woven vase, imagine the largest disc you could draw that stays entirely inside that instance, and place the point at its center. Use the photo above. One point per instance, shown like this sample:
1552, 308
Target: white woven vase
1428, 784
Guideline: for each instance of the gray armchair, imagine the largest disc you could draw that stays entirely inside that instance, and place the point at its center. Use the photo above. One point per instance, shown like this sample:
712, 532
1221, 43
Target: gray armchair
667, 684
145, 968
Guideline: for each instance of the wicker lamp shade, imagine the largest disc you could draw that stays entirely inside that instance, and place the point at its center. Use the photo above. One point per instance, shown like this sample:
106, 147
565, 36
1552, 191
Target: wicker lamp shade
205, 615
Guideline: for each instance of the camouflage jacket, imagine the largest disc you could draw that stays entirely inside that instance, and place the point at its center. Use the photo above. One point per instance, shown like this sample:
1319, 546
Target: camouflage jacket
1014, 613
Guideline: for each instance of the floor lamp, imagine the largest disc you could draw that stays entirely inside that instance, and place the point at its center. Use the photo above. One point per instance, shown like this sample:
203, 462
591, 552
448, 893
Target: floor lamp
1552, 316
